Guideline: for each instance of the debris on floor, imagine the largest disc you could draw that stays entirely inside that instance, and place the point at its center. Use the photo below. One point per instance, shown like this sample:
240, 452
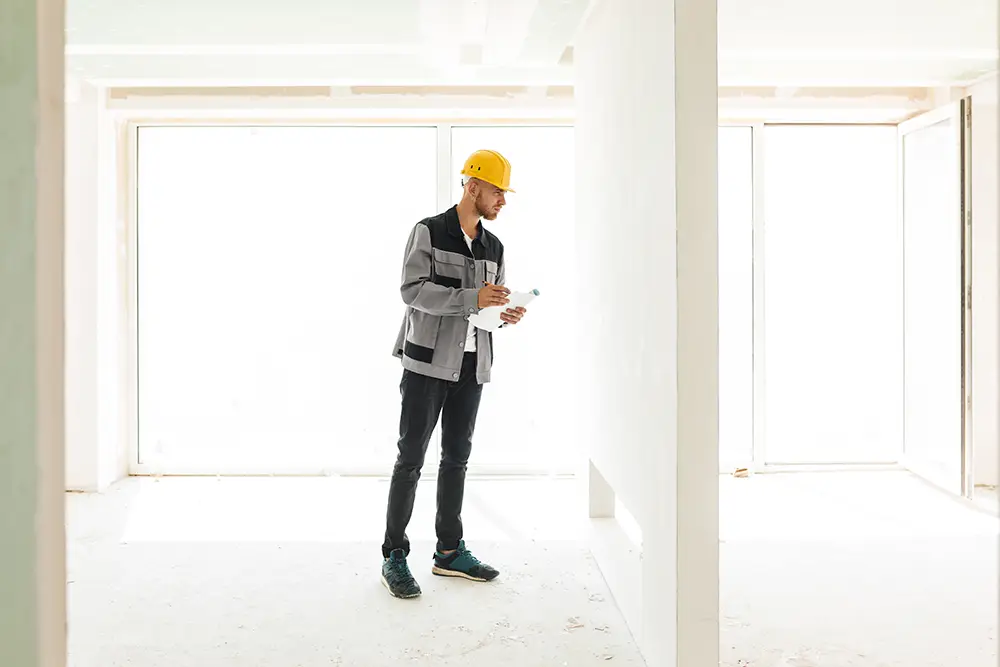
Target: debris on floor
741, 472
573, 624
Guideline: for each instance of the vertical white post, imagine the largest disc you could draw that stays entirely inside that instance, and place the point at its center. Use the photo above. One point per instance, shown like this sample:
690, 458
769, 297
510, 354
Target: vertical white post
82, 188
647, 153
759, 294
985, 282
697, 464
95, 303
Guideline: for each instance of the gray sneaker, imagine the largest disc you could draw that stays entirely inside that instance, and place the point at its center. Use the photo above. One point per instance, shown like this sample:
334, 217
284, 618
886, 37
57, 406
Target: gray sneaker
397, 578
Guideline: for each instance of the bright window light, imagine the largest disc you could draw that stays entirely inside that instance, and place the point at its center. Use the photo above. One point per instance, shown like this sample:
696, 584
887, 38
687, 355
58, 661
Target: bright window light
526, 416
833, 295
268, 267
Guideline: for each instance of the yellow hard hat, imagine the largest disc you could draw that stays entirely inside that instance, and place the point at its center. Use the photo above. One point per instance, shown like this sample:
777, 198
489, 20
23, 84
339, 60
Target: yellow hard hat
490, 167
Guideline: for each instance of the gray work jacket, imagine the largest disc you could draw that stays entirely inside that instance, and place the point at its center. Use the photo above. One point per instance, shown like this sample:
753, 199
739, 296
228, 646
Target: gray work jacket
440, 287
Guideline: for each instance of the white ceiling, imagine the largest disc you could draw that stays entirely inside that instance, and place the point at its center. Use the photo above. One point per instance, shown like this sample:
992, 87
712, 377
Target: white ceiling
350, 42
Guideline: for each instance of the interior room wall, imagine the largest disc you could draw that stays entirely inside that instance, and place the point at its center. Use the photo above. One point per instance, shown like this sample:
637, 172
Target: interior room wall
985, 283
33, 557
647, 242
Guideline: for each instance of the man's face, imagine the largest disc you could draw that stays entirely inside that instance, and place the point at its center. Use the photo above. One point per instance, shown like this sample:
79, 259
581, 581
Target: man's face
489, 200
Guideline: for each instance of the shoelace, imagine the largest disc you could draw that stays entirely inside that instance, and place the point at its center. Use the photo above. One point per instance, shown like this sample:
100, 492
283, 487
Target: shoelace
400, 570
472, 559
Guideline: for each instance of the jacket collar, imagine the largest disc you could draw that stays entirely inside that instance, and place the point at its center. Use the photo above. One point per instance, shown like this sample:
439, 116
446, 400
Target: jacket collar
455, 226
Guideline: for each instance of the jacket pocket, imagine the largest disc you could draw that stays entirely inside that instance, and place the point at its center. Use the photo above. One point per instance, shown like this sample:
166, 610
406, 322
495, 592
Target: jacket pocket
449, 269
422, 329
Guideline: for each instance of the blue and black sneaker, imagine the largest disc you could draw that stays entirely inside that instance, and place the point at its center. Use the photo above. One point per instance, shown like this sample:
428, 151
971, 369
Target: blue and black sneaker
397, 578
461, 563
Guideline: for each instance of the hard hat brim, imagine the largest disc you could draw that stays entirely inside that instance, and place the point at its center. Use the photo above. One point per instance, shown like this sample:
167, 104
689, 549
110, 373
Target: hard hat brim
468, 174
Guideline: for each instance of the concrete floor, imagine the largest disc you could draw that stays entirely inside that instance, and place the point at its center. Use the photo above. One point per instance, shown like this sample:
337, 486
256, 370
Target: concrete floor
818, 570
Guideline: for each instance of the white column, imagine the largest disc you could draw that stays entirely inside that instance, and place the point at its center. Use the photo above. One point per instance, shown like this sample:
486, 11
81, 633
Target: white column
985, 284
82, 394
33, 575
647, 131
96, 450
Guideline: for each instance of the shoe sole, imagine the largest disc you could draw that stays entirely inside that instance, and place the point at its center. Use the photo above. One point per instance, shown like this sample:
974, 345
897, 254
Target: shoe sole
441, 572
401, 597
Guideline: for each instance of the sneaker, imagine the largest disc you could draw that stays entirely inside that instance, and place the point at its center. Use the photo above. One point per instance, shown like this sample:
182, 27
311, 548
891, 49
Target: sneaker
461, 563
396, 576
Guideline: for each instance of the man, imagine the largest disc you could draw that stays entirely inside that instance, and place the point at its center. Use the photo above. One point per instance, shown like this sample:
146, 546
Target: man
452, 268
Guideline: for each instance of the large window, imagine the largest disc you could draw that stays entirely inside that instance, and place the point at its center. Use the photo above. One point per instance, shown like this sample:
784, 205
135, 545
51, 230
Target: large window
268, 292
526, 418
833, 295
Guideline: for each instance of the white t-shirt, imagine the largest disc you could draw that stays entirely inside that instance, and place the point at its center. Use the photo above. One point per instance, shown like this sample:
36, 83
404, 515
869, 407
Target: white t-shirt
470, 338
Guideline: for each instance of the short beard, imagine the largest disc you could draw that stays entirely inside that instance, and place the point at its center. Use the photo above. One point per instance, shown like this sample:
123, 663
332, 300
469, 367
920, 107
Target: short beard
488, 215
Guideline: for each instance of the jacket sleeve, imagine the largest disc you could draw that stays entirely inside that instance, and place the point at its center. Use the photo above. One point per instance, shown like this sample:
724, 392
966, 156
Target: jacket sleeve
420, 292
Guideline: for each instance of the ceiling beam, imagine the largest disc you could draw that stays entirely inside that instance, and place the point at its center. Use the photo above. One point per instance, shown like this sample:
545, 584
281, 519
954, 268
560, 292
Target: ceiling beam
553, 27
402, 48
399, 70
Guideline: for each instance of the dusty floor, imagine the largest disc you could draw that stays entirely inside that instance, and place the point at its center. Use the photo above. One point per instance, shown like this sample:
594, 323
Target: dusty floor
818, 570
284, 573
855, 570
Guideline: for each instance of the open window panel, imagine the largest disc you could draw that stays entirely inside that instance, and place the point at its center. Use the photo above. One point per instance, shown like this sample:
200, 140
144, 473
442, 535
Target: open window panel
934, 205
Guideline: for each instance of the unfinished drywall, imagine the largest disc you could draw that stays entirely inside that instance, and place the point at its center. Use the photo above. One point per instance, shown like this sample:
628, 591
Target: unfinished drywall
985, 284
18, 409
647, 239
32, 560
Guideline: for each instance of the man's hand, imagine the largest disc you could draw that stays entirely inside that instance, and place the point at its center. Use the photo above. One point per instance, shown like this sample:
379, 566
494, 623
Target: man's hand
513, 315
493, 295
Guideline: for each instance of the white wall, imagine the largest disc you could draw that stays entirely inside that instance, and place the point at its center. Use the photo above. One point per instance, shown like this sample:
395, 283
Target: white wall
95, 447
82, 191
985, 284
648, 341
